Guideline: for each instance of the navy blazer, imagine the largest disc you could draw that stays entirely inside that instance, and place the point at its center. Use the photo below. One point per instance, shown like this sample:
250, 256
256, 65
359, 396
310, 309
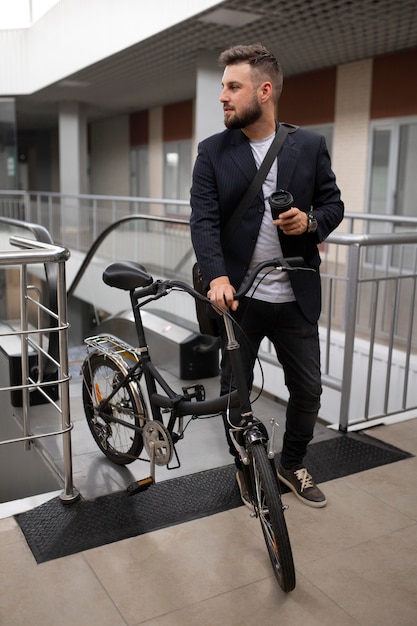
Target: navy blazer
223, 171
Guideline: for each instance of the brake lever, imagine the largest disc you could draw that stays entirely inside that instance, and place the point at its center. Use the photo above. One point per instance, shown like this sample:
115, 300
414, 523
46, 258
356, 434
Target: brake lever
163, 290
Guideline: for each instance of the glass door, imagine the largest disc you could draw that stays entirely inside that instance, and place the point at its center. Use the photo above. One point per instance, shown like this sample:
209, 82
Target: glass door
392, 178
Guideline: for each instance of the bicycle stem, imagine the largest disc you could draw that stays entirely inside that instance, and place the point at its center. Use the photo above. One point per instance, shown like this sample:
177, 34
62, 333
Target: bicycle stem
241, 384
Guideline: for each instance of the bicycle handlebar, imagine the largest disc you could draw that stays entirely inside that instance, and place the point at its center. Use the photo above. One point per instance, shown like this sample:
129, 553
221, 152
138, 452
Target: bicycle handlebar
133, 277
289, 264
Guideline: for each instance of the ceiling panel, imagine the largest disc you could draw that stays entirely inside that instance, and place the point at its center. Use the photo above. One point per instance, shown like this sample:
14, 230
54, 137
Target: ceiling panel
305, 35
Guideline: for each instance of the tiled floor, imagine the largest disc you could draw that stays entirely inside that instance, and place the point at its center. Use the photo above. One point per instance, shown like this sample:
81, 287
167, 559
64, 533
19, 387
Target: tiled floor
356, 563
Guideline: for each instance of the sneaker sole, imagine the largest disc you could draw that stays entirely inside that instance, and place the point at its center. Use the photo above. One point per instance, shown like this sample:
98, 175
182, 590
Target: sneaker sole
312, 503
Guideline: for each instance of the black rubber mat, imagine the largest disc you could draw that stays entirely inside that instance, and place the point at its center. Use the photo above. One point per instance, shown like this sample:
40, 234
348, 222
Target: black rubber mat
54, 530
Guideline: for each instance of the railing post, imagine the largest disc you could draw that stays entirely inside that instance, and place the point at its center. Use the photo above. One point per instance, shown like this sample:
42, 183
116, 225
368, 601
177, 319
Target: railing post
24, 353
350, 324
69, 495
26, 204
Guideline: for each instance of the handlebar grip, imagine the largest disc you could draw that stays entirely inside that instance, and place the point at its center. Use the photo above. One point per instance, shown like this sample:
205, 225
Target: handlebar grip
292, 261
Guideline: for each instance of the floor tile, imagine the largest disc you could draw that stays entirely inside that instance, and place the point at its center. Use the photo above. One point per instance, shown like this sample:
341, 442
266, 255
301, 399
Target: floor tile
403, 435
179, 566
350, 518
9, 531
261, 603
392, 484
375, 581
64, 592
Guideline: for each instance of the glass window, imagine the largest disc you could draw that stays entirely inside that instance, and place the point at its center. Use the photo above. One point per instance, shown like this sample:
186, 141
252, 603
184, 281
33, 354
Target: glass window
139, 173
8, 170
378, 185
177, 174
406, 193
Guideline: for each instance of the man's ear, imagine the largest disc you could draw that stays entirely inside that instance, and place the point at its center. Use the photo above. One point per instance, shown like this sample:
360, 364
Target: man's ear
265, 91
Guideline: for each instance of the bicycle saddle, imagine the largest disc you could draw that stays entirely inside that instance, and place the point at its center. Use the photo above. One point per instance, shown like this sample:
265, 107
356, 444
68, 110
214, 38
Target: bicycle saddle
126, 275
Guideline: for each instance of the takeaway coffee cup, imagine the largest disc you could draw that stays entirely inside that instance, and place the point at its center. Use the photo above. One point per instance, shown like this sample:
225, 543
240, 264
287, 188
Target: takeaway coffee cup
279, 202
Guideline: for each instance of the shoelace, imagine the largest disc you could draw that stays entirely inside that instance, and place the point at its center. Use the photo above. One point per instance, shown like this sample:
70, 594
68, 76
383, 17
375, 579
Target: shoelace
304, 477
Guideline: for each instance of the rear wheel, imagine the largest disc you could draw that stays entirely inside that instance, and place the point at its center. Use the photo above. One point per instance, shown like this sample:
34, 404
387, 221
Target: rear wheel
269, 508
119, 442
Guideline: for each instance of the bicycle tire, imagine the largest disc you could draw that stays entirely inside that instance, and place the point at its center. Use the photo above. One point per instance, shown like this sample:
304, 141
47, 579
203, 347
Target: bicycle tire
269, 510
121, 444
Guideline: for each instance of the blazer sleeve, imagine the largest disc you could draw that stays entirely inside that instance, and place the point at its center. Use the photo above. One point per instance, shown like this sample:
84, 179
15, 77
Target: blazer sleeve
205, 220
326, 204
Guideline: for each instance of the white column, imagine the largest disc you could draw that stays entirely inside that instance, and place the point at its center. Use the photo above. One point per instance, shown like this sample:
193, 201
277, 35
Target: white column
72, 148
351, 132
72, 170
208, 110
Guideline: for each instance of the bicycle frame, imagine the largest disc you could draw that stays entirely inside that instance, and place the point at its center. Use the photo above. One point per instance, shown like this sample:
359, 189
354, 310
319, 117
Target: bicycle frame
193, 403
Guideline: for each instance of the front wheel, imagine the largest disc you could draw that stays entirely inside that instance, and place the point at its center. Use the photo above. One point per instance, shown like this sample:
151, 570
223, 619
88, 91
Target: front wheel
269, 509
121, 443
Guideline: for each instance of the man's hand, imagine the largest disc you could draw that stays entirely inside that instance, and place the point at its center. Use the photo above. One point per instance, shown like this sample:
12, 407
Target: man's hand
221, 293
292, 222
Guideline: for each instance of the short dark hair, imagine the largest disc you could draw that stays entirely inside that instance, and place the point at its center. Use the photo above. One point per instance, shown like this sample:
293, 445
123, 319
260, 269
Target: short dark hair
260, 60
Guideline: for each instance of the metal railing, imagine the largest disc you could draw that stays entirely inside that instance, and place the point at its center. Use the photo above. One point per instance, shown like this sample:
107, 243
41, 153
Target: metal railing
50, 321
367, 328
76, 221
369, 315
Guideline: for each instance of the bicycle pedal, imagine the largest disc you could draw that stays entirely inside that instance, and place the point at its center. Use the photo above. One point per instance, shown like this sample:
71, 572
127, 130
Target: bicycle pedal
139, 486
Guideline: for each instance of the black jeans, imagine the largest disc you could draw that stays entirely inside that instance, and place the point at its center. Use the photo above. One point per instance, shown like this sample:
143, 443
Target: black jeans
297, 346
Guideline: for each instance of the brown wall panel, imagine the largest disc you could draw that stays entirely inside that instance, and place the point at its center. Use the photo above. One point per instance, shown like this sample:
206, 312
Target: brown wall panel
309, 98
394, 84
178, 121
139, 128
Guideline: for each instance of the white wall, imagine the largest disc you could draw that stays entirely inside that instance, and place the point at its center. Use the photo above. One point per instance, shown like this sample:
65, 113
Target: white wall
77, 33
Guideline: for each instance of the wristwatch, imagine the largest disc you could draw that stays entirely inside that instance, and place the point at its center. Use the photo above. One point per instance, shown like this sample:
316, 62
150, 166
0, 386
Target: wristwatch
311, 223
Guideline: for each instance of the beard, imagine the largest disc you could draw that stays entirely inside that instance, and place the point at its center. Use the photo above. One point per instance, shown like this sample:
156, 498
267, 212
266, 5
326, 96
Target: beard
249, 115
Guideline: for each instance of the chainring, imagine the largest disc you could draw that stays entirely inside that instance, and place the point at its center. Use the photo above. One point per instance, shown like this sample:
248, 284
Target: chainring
157, 442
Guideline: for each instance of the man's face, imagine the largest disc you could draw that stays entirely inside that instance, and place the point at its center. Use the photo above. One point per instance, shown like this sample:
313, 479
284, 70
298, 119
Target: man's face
240, 99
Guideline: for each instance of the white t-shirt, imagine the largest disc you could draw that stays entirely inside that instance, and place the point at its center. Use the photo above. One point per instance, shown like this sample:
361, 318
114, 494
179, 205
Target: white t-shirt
275, 286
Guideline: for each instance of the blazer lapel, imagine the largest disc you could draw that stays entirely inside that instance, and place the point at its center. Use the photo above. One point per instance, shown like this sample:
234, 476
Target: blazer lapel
287, 160
241, 155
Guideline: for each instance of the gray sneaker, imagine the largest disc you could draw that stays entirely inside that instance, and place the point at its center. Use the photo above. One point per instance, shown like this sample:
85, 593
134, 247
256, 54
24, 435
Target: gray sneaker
244, 496
302, 485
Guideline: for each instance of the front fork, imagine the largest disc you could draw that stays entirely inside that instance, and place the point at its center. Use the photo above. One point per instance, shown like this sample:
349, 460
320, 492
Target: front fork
244, 437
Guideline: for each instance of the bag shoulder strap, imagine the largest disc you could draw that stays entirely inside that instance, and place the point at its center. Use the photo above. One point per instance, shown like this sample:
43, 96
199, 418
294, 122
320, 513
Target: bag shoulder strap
256, 184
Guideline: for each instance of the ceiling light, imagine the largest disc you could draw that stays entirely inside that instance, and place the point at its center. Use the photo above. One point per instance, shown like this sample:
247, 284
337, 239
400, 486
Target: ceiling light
73, 83
227, 17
